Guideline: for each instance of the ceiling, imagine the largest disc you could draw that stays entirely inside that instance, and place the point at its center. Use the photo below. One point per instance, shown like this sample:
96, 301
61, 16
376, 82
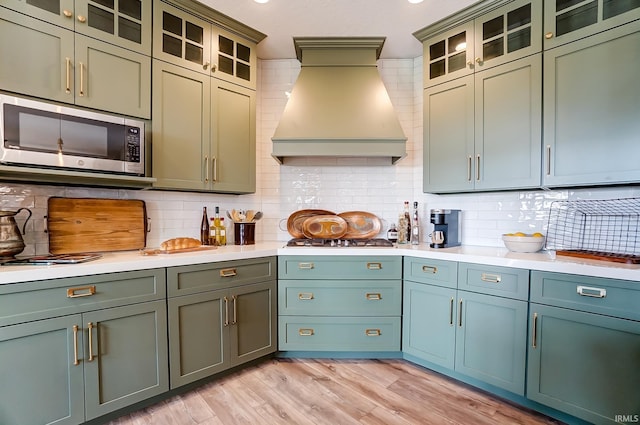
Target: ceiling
281, 20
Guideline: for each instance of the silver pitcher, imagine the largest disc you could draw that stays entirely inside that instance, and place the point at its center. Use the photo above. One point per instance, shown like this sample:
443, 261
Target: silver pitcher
11, 242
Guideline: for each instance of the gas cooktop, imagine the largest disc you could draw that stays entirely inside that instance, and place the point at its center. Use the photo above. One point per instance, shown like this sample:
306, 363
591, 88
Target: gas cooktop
48, 260
344, 243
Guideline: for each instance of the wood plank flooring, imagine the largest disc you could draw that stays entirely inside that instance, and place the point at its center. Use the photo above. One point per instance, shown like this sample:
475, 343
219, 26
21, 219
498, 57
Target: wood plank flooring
333, 392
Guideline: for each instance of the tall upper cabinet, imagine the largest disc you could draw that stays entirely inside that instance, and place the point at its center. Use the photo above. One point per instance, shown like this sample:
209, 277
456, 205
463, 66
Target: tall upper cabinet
482, 98
204, 100
89, 53
591, 92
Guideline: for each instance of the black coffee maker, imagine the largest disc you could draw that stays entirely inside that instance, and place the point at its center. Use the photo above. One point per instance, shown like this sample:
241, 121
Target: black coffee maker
446, 228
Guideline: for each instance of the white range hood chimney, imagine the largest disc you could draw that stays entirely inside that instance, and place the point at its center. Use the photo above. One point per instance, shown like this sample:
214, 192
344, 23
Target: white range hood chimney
339, 106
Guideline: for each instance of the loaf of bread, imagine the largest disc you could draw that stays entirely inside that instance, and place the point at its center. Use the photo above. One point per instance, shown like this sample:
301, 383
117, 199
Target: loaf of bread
179, 243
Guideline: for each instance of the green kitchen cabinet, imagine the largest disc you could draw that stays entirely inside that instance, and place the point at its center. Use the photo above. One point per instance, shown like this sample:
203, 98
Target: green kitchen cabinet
483, 36
584, 342
197, 42
472, 331
210, 125
98, 344
339, 303
567, 21
220, 315
69, 67
56, 12
483, 131
591, 99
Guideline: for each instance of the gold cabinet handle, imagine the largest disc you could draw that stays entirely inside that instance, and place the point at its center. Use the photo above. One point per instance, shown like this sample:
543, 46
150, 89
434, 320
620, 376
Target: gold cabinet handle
205, 65
305, 266
81, 65
548, 35
214, 67
491, 278
305, 332
374, 266
534, 332
451, 312
67, 61
548, 160
479, 61
478, 167
67, 13
234, 299
226, 311
305, 296
469, 168
430, 269
81, 291
214, 161
206, 169
90, 327
82, 19
75, 345
373, 296
372, 332
228, 272
460, 313
470, 64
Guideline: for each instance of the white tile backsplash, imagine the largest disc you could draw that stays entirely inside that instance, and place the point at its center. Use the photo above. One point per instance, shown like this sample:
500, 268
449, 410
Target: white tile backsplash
335, 184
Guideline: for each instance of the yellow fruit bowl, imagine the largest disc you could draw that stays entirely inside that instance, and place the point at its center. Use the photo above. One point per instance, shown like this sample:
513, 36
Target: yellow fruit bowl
521, 242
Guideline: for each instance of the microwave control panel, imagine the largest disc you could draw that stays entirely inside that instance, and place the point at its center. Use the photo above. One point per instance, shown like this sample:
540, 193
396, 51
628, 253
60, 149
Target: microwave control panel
132, 153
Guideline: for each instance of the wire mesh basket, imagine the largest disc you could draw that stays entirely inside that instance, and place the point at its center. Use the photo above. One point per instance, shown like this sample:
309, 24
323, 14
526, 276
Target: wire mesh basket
600, 229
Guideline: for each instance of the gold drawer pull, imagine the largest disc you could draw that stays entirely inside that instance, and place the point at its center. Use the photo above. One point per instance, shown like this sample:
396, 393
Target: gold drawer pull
373, 296
90, 327
534, 333
228, 272
81, 291
587, 291
305, 332
75, 345
305, 266
305, 296
374, 266
372, 332
430, 269
491, 278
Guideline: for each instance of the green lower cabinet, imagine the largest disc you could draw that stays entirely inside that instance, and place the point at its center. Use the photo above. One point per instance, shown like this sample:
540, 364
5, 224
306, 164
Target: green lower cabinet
585, 364
212, 331
41, 383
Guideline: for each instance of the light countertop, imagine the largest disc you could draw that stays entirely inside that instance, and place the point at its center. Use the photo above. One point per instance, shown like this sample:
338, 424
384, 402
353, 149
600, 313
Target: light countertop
133, 260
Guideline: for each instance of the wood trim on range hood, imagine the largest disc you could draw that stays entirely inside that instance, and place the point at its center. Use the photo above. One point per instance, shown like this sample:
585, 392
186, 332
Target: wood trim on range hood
339, 106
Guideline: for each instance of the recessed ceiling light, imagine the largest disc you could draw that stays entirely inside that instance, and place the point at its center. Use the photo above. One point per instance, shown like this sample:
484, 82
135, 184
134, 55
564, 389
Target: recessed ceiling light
264, 1
412, 1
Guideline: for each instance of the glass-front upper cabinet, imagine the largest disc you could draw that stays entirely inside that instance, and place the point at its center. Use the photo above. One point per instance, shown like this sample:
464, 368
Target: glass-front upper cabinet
181, 38
570, 20
125, 23
504, 34
57, 12
234, 59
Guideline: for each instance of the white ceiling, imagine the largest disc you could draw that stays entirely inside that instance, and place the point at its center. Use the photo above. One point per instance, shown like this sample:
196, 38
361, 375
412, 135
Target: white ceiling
281, 20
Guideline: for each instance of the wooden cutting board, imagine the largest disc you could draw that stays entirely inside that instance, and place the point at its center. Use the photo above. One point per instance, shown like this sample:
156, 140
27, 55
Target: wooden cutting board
78, 225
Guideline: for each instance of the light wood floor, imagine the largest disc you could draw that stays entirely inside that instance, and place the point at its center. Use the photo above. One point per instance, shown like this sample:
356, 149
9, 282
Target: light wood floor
333, 392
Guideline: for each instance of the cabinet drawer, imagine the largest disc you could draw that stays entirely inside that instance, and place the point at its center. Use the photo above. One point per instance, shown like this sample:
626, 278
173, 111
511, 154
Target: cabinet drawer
618, 298
493, 280
339, 333
434, 272
184, 280
340, 297
23, 302
340, 267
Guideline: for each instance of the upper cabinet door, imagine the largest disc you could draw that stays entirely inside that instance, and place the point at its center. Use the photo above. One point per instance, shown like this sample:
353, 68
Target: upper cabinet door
508, 33
234, 59
449, 55
181, 38
570, 20
126, 23
57, 12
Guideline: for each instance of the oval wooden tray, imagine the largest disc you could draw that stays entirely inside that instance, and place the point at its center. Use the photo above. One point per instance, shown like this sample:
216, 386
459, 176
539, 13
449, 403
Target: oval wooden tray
324, 227
296, 219
361, 224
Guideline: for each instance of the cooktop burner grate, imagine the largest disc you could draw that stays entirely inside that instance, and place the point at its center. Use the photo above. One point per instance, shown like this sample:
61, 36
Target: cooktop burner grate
343, 243
47, 260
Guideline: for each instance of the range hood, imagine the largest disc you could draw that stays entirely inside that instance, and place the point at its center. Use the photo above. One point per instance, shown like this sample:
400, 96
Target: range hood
339, 106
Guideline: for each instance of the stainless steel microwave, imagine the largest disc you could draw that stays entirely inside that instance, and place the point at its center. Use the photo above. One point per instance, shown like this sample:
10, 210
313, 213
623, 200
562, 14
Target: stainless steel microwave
40, 134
